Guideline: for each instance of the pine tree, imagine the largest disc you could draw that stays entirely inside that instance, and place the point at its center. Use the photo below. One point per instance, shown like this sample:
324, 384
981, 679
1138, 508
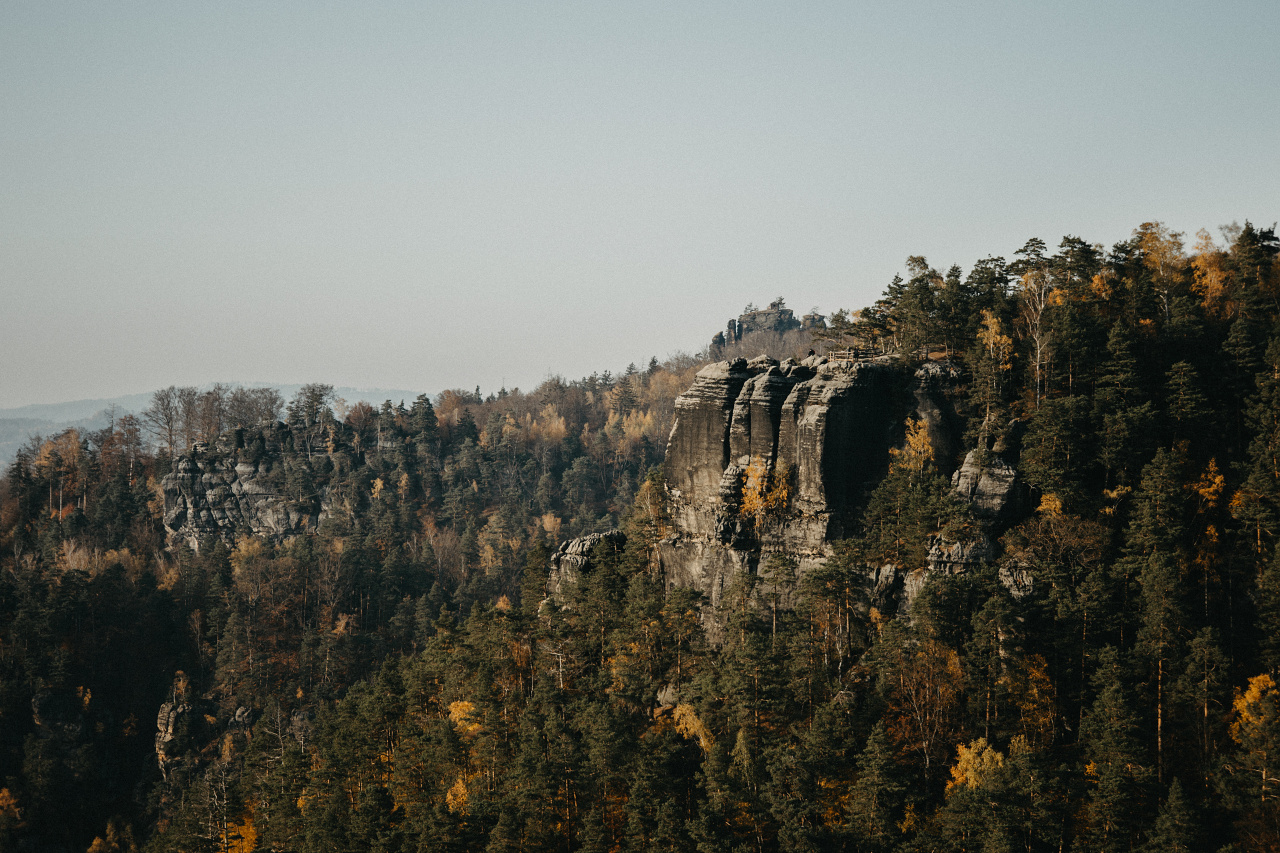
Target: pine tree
1175, 827
1257, 503
1155, 556
1186, 405
875, 800
1123, 410
1115, 773
1201, 693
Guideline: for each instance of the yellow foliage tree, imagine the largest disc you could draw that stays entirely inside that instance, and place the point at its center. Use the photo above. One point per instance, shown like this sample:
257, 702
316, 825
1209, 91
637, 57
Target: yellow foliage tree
1162, 255
975, 764
764, 491
1256, 730
691, 727
998, 345
916, 452
1210, 274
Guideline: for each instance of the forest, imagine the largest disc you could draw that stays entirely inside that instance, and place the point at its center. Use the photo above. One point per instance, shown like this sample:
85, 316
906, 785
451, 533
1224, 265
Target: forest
395, 679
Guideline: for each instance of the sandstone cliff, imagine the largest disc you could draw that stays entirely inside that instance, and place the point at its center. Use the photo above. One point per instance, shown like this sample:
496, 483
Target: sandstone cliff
238, 486
808, 440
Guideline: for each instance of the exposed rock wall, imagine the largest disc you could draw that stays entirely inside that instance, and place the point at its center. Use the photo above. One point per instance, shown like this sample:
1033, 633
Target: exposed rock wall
828, 423
990, 482
234, 488
823, 427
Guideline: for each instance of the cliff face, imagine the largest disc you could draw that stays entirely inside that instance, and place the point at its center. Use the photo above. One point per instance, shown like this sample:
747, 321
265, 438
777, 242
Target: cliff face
238, 486
810, 438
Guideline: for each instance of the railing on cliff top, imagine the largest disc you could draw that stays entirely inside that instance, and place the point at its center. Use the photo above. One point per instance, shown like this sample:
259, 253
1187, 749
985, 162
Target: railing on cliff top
853, 354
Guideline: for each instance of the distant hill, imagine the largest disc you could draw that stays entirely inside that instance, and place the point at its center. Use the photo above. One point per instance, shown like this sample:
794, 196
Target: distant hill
18, 425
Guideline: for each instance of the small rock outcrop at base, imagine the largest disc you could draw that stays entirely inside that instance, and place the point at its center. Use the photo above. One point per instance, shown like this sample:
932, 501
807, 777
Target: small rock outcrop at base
990, 482
573, 558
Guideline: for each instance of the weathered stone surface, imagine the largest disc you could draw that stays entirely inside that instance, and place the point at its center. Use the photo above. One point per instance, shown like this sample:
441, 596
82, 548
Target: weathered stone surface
992, 487
823, 427
167, 729
573, 559
826, 428
934, 393
183, 732
698, 450
230, 491
949, 557
830, 424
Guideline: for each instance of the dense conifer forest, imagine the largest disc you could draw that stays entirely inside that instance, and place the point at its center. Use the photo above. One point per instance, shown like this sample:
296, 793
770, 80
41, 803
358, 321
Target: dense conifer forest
393, 681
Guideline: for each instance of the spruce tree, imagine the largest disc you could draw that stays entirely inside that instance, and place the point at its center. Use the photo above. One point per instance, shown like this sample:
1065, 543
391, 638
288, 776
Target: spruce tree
875, 800
1116, 774
1175, 827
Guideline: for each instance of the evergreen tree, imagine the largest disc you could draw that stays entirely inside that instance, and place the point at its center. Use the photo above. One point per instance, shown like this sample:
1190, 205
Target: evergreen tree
1122, 408
1175, 827
875, 800
1155, 556
1116, 775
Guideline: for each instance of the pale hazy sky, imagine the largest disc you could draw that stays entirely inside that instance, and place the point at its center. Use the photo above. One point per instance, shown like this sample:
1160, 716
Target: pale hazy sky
425, 195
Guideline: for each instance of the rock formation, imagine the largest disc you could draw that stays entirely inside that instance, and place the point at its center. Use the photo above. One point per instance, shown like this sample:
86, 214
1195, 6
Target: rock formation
236, 488
573, 558
777, 319
989, 481
817, 432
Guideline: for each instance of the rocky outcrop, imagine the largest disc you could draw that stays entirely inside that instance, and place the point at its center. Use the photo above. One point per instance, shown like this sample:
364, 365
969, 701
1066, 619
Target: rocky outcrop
573, 558
989, 481
935, 394
191, 733
185, 732
776, 319
168, 746
828, 424
955, 557
809, 438
237, 487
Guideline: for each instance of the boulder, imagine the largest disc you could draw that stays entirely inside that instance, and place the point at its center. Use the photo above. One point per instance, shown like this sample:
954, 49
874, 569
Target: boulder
992, 487
573, 559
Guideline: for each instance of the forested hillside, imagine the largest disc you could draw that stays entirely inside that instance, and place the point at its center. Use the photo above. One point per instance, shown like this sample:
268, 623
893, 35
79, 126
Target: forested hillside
388, 676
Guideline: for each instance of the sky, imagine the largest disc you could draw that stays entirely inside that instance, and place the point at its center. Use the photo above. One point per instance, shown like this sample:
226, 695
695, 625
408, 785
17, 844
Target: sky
427, 195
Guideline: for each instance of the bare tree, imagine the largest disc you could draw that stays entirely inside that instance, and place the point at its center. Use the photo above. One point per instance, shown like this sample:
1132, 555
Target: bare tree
252, 406
188, 401
163, 418
1033, 301
211, 412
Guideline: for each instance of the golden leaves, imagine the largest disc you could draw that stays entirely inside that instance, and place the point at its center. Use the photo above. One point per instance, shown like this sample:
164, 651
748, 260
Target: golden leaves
764, 491
456, 799
917, 451
1255, 709
1210, 274
998, 345
1050, 504
690, 726
462, 715
975, 765
1211, 485
247, 550
9, 805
